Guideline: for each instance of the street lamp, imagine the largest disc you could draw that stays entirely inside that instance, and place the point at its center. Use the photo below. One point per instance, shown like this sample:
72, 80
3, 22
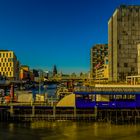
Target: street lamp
39, 80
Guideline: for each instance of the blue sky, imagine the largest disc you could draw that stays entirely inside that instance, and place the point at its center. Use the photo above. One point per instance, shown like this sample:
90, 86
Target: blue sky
47, 32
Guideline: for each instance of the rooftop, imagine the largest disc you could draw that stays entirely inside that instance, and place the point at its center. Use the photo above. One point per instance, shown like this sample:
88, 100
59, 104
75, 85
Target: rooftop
5, 50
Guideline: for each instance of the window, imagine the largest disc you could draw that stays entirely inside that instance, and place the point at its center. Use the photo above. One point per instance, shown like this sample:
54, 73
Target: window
133, 24
6, 54
3, 54
123, 13
5, 69
1, 69
132, 68
10, 59
119, 46
125, 64
3, 64
106, 62
121, 75
130, 10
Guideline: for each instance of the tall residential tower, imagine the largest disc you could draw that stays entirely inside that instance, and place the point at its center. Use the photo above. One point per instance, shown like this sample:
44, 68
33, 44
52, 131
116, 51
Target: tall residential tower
123, 37
98, 53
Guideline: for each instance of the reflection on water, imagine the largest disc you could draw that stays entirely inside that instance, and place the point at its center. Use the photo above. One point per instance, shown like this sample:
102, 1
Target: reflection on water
68, 131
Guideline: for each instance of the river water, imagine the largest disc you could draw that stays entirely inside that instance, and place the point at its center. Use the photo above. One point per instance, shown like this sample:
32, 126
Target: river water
68, 131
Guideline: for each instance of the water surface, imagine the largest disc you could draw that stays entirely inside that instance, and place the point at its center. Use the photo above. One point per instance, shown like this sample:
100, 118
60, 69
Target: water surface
68, 131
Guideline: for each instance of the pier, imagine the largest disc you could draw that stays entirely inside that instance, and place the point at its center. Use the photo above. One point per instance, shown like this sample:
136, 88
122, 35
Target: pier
119, 116
28, 113
103, 103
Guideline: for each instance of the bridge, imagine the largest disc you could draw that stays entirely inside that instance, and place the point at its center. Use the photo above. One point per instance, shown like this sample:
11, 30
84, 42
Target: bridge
70, 78
5, 83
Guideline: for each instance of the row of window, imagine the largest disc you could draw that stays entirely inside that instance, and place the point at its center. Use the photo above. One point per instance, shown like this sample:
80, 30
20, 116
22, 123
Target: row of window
6, 73
5, 64
6, 59
125, 9
126, 65
5, 54
6, 69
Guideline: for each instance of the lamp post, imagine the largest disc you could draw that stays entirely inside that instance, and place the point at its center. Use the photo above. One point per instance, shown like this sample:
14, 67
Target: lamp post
39, 82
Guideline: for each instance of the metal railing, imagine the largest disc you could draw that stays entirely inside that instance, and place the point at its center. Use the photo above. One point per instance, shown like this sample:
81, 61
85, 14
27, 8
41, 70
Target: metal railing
107, 89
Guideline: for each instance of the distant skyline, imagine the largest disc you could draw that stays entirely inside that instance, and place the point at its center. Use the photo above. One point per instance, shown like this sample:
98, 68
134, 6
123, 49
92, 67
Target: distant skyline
44, 33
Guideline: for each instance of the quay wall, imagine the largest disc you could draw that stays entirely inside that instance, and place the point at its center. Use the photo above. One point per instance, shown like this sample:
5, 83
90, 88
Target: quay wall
48, 113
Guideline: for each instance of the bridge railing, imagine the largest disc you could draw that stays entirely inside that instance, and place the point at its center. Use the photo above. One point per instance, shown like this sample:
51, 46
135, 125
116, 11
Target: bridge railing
84, 89
107, 89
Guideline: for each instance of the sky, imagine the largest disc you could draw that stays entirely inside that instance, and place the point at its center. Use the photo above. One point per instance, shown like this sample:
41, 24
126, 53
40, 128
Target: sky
43, 33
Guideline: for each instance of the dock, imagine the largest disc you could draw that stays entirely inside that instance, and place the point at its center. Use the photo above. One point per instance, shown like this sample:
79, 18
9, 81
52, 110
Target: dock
119, 116
28, 113
119, 104
31, 113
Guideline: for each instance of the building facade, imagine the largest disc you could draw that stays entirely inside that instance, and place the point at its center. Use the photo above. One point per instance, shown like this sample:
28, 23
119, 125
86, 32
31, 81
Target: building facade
9, 65
24, 72
123, 37
98, 53
102, 73
138, 58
